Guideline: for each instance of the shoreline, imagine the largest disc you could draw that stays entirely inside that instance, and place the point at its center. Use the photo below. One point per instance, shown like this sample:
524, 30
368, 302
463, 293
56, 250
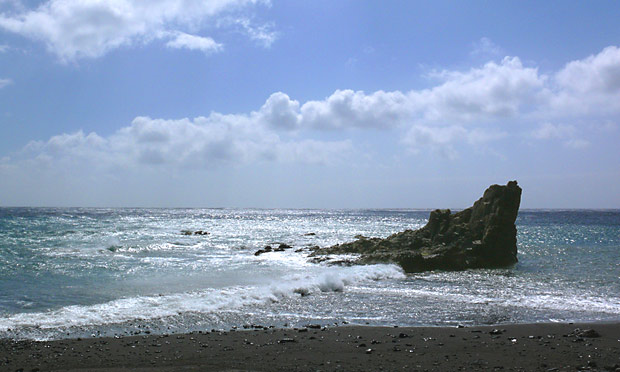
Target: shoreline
505, 347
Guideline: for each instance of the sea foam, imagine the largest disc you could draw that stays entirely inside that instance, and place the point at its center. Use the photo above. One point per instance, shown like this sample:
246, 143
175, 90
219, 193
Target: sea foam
323, 279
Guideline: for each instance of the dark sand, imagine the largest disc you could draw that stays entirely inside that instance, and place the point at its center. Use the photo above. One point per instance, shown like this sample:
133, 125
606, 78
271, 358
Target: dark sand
535, 347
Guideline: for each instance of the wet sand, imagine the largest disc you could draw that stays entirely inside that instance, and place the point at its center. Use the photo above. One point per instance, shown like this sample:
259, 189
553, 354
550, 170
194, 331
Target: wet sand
527, 347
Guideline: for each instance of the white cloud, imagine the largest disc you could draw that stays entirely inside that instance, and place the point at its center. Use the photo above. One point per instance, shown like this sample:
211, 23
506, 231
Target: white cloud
552, 131
590, 85
596, 73
420, 135
74, 29
469, 108
193, 42
443, 138
349, 109
5, 82
577, 143
486, 48
493, 91
280, 112
203, 142
264, 34
568, 134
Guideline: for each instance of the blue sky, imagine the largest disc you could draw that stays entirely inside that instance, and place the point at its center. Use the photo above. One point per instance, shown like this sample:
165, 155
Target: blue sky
327, 104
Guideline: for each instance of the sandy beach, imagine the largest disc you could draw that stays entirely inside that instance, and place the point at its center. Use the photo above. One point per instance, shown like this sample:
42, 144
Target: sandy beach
527, 347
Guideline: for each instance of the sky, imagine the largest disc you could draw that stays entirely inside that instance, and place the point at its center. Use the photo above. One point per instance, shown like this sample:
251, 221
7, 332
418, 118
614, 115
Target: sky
308, 104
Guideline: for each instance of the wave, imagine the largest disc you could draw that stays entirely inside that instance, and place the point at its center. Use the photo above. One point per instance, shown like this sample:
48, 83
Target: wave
562, 302
325, 279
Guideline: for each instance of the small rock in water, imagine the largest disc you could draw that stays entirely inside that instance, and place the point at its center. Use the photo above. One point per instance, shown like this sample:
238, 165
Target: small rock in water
267, 248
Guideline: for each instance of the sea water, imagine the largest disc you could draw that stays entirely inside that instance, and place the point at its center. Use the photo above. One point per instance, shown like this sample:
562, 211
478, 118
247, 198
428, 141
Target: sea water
72, 272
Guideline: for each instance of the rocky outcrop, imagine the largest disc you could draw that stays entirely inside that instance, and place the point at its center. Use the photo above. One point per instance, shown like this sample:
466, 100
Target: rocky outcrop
481, 236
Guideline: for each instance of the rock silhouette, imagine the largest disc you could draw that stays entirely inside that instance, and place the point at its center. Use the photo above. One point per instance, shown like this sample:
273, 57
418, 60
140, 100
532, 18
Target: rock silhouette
481, 236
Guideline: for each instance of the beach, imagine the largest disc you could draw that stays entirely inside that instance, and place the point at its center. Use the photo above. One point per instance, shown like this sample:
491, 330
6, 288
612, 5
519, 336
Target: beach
514, 347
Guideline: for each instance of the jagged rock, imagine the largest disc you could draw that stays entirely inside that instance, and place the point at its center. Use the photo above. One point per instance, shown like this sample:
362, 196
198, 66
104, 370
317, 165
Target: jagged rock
481, 236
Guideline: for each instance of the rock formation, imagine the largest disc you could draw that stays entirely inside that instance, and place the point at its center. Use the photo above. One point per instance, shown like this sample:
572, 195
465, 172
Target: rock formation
481, 236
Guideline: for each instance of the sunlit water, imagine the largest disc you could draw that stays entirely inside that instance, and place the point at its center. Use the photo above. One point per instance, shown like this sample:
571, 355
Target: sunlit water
83, 272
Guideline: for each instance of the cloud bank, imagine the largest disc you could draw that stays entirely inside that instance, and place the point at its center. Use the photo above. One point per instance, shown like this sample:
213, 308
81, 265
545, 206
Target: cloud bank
493, 102
75, 29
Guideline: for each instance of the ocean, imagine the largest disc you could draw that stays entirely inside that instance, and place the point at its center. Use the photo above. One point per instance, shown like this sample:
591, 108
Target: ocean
86, 272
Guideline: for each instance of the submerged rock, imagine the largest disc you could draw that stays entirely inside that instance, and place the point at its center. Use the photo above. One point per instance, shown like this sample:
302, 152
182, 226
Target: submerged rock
481, 236
199, 232
280, 248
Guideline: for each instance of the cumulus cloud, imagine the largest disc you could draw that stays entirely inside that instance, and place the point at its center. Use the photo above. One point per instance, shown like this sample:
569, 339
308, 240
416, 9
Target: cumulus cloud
203, 142
595, 74
494, 91
497, 90
348, 109
280, 112
465, 108
590, 85
74, 29
480, 105
192, 42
